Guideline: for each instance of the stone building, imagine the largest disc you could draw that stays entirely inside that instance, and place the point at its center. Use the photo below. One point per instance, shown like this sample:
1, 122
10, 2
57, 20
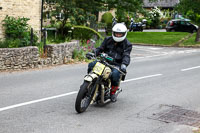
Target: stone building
22, 8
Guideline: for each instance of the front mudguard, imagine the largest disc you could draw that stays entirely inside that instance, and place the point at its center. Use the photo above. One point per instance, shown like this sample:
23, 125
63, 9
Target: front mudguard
90, 77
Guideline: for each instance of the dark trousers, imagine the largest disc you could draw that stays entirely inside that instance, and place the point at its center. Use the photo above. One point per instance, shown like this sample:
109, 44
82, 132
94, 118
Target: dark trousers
115, 75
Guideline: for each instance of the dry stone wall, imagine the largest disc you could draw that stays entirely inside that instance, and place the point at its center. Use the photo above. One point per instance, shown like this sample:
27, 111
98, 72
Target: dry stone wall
28, 57
18, 58
61, 53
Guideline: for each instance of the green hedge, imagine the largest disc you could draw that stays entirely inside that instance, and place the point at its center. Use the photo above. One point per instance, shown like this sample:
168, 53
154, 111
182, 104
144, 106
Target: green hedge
107, 18
85, 33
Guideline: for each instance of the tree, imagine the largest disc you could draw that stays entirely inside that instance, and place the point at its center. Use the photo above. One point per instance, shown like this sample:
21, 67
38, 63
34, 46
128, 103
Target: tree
78, 12
93, 6
191, 10
125, 6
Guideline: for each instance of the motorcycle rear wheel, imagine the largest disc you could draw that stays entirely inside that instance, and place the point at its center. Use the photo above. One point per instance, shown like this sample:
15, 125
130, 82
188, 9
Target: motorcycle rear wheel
84, 97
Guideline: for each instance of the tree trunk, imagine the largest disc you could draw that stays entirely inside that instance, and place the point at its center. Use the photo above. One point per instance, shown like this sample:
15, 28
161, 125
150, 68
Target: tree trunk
198, 35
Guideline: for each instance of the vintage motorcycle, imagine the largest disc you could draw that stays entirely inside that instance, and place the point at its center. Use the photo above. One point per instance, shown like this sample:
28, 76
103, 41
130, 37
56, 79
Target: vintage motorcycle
97, 84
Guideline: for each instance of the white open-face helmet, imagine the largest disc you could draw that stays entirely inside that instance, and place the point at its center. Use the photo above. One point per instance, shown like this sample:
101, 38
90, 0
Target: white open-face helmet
119, 28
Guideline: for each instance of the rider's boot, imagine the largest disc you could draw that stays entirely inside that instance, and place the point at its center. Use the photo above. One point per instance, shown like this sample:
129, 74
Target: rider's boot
113, 96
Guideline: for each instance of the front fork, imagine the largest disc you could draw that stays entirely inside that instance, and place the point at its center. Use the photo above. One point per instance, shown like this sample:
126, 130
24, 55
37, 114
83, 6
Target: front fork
95, 94
90, 77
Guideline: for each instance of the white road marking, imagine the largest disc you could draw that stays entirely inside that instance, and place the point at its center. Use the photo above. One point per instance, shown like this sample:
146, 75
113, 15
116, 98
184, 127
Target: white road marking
191, 68
36, 101
66, 94
158, 53
155, 48
149, 76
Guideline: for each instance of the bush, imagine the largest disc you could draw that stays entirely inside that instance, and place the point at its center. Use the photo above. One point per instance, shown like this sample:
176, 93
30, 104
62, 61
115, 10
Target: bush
85, 48
154, 17
107, 18
79, 54
10, 43
101, 25
15, 28
17, 32
84, 33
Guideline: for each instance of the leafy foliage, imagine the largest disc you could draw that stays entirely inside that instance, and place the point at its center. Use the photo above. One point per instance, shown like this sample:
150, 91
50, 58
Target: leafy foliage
78, 12
107, 18
79, 54
191, 10
17, 32
85, 33
124, 6
154, 17
82, 12
15, 28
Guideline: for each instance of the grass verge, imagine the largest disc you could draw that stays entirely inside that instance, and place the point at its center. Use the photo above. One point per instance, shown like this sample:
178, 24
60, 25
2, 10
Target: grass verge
156, 38
190, 42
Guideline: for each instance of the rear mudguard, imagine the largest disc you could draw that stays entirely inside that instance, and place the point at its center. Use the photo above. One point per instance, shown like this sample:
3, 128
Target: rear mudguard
90, 77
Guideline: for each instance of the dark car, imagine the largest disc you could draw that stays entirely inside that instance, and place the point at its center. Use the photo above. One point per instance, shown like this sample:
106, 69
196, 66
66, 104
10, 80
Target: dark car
136, 27
181, 25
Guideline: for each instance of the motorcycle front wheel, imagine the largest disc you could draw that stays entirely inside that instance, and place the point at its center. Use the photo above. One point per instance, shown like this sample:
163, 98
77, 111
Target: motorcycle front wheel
84, 97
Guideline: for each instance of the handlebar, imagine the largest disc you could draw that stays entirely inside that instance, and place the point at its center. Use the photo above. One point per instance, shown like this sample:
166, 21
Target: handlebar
112, 66
106, 59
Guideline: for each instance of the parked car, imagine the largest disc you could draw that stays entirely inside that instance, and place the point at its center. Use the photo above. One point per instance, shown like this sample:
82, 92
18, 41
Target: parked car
181, 25
136, 27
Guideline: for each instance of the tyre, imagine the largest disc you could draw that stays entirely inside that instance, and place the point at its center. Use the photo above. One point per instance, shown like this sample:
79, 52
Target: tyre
84, 97
172, 30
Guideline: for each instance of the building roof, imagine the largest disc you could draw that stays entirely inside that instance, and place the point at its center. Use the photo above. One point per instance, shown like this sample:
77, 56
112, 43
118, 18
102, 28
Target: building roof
161, 3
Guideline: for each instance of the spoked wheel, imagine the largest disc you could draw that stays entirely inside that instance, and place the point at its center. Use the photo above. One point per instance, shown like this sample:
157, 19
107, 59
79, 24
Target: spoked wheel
84, 97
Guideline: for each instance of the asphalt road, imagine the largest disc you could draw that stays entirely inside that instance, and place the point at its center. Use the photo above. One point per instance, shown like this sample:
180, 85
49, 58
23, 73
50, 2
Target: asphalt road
42, 101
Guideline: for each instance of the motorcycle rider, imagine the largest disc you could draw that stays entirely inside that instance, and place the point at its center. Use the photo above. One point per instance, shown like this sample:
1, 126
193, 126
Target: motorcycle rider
114, 21
119, 48
131, 25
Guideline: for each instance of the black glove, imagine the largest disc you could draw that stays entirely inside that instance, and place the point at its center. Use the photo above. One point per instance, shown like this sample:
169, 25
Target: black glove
90, 55
123, 67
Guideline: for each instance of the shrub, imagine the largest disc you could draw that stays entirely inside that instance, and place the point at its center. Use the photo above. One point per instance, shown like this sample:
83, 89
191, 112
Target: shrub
10, 43
84, 33
98, 43
79, 54
107, 18
85, 47
15, 28
154, 17
17, 32
101, 25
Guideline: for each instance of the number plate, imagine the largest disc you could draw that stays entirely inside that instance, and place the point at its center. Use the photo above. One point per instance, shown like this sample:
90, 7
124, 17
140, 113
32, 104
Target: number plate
98, 68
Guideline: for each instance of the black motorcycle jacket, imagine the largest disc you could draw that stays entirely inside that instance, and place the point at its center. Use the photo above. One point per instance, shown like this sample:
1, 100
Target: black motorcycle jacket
119, 51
